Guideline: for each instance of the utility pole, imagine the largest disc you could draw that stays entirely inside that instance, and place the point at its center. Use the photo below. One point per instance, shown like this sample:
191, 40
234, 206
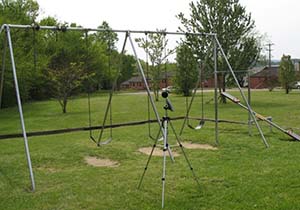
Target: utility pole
270, 53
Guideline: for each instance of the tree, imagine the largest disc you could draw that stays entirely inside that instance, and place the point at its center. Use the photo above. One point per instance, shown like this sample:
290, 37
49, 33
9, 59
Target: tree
66, 81
66, 71
107, 39
187, 69
156, 48
19, 12
234, 29
128, 67
286, 72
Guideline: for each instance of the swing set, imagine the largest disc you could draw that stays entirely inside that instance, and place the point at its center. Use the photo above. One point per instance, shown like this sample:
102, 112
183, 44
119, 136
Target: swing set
215, 47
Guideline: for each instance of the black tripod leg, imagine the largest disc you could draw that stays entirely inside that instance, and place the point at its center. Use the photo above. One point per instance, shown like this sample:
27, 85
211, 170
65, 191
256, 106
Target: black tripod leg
184, 154
148, 161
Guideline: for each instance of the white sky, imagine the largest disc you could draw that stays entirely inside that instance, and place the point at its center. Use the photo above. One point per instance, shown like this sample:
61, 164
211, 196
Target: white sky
279, 19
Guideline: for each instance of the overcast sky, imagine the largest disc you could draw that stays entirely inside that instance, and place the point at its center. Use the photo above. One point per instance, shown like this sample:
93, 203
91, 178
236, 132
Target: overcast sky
279, 19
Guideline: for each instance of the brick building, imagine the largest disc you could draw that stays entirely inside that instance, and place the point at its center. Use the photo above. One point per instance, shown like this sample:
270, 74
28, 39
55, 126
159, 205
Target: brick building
137, 83
267, 77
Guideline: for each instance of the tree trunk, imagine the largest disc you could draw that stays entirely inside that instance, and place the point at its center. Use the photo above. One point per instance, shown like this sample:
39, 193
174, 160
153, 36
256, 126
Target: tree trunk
156, 95
223, 98
287, 90
64, 107
221, 86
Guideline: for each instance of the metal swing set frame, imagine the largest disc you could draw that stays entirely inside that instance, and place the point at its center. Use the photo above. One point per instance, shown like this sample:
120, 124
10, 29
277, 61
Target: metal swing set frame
6, 28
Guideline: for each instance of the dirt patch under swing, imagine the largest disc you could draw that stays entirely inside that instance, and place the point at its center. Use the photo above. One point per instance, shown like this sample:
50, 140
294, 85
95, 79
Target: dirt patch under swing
186, 145
98, 162
189, 145
157, 151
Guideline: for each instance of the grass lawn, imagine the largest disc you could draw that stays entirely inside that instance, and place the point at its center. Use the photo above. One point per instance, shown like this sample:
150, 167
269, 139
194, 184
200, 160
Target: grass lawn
240, 174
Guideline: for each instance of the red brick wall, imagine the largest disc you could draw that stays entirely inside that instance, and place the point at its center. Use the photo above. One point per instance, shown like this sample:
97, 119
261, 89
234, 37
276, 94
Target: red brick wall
260, 82
141, 85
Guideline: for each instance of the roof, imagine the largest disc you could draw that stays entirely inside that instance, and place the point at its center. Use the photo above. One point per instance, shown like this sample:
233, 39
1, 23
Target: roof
140, 79
267, 72
135, 79
254, 70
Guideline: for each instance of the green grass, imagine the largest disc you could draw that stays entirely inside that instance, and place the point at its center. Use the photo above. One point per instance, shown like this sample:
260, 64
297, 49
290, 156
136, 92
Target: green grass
241, 174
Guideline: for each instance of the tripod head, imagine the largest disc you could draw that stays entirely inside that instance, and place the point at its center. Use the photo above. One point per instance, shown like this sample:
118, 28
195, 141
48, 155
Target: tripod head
168, 105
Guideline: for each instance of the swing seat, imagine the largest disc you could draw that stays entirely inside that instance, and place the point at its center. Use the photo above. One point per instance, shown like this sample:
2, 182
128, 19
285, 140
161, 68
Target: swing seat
198, 127
161, 138
105, 142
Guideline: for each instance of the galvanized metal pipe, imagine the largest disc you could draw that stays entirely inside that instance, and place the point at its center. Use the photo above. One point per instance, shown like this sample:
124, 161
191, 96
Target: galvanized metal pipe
2, 71
242, 93
146, 84
249, 101
60, 28
216, 93
20, 108
2, 28
108, 107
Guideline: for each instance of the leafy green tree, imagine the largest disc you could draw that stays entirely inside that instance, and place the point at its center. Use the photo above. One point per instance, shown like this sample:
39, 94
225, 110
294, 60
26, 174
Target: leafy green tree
187, 69
235, 31
286, 72
19, 12
107, 37
96, 62
108, 40
66, 72
65, 80
128, 68
156, 48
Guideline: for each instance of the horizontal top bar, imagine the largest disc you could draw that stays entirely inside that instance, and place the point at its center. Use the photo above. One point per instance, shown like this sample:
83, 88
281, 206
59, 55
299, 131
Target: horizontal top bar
62, 28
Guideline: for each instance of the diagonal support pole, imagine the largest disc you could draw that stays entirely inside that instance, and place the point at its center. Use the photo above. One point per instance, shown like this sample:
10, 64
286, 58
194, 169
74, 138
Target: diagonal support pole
146, 84
20, 107
191, 102
3, 70
108, 107
216, 92
242, 93
184, 154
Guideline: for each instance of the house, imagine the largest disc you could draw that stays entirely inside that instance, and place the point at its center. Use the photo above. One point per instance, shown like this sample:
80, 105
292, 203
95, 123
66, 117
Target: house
137, 83
266, 77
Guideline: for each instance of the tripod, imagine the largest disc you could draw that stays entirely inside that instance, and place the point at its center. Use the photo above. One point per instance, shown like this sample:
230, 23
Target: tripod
166, 121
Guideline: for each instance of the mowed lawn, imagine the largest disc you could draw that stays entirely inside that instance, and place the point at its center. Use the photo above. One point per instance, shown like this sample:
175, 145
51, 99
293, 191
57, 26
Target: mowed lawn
240, 174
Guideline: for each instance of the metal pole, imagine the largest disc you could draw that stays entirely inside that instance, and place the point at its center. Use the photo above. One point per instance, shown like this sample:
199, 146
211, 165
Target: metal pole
163, 179
146, 84
63, 28
20, 108
270, 53
216, 93
249, 101
3, 70
2, 28
189, 106
242, 93
108, 107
